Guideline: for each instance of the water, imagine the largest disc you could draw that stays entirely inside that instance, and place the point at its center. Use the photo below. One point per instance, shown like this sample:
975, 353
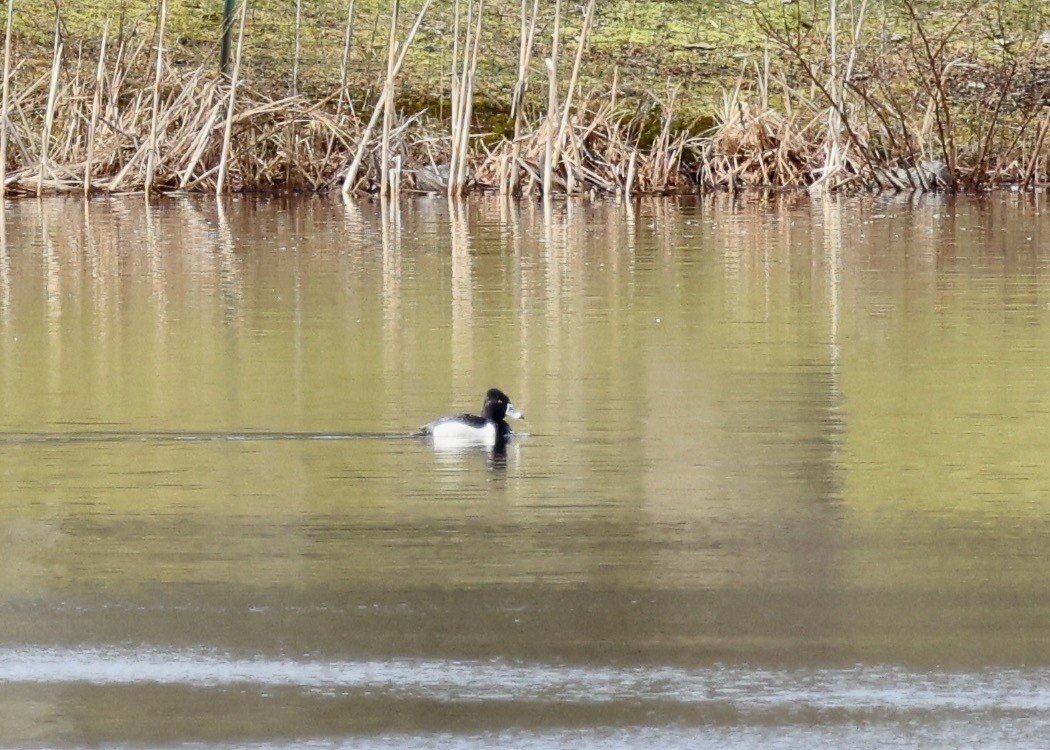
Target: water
784, 482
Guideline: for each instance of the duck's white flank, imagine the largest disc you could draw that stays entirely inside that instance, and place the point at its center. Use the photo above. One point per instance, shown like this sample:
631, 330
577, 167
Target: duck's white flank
453, 433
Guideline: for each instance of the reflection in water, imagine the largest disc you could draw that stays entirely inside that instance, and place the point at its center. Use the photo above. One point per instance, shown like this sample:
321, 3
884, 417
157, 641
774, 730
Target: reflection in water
391, 274
744, 688
433, 696
5, 285
113, 436
770, 440
462, 298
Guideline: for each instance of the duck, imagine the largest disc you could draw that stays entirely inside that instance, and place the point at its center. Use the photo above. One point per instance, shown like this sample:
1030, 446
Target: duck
489, 429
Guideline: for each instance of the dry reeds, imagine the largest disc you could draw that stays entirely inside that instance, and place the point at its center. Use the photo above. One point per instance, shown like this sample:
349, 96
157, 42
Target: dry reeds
189, 130
350, 180
826, 112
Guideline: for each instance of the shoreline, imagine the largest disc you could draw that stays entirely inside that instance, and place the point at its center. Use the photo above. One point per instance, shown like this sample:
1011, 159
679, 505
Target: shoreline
127, 112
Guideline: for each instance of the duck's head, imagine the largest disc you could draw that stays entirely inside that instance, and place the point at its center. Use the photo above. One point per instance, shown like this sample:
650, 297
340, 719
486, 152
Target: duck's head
498, 405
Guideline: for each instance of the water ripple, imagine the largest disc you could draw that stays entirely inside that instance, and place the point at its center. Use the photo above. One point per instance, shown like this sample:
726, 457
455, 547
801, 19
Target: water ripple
861, 688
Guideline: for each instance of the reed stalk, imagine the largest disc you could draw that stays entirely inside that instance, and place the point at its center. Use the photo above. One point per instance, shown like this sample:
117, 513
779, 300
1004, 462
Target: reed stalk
96, 106
463, 99
292, 130
5, 104
153, 156
632, 170
388, 102
468, 114
454, 87
344, 61
204, 137
297, 46
526, 39
1028, 178
49, 116
457, 90
566, 107
227, 135
834, 159
552, 103
662, 144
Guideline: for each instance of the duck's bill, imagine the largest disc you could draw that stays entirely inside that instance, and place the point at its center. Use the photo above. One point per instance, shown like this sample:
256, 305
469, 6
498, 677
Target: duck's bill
514, 412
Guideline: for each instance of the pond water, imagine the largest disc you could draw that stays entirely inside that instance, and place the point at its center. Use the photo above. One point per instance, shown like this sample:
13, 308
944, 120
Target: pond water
784, 482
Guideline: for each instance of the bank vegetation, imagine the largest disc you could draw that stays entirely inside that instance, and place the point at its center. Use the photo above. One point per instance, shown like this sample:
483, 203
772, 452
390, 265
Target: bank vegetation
524, 98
